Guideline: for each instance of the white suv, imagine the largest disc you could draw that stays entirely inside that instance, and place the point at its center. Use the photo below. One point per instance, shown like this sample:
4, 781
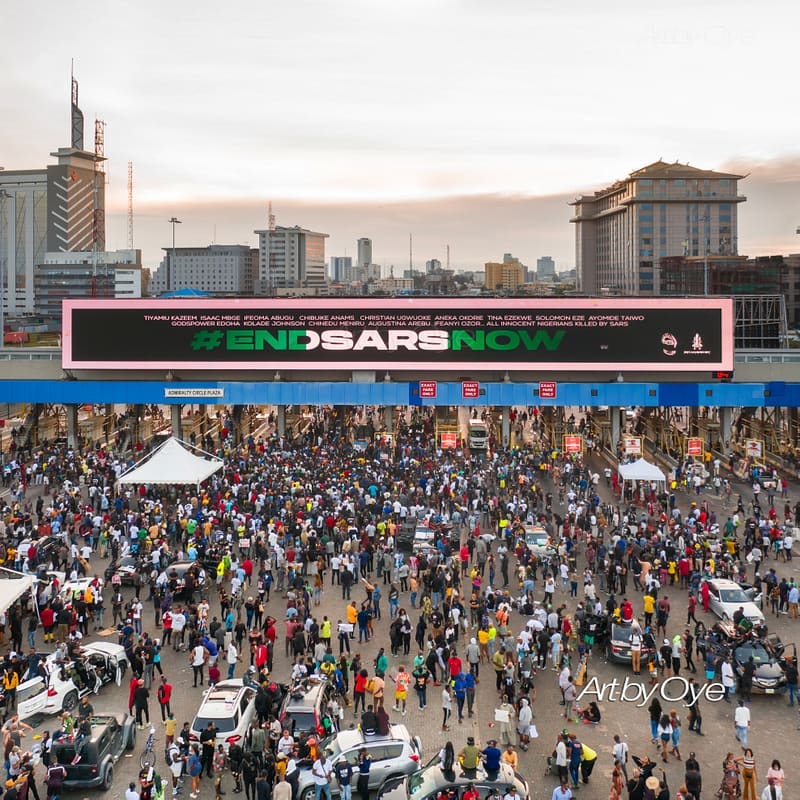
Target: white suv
230, 706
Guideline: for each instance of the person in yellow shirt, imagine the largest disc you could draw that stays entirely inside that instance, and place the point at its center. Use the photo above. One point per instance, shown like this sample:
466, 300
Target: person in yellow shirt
170, 726
648, 606
588, 760
483, 644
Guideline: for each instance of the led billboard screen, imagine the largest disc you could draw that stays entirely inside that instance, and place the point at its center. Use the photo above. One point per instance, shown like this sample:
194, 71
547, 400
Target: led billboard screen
415, 333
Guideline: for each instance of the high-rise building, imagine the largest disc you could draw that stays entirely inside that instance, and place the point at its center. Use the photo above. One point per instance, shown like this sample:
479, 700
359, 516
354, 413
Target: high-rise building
504, 276
291, 258
434, 265
364, 252
661, 210
545, 268
341, 269
59, 207
65, 275
219, 269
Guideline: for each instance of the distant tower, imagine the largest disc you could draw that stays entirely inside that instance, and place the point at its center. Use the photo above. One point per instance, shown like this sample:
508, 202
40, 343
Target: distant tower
411, 254
270, 217
130, 205
364, 252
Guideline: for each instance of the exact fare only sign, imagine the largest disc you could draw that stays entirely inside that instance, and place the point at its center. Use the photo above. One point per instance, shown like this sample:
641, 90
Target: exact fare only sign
470, 390
547, 390
427, 390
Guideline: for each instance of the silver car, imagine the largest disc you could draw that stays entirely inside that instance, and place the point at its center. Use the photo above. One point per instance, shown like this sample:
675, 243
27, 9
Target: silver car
430, 781
393, 757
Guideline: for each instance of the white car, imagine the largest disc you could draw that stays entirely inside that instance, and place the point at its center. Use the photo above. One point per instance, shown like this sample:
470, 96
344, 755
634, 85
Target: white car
727, 597
102, 663
538, 541
229, 705
70, 587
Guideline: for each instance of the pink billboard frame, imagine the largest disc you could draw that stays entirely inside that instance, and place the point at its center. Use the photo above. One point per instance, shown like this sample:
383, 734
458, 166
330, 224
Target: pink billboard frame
481, 304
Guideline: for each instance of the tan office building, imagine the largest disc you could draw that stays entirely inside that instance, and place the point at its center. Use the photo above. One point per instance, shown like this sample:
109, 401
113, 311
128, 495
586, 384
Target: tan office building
505, 276
661, 210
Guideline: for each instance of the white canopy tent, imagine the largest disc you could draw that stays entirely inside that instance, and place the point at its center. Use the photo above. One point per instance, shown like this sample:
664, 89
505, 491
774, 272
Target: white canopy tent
172, 463
642, 470
12, 586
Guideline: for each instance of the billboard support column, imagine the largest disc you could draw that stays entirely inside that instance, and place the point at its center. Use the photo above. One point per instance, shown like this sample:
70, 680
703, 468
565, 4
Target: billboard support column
175, 412
792, 426
388, 416
71, 411
616, 426
725, 423
108, 423
280, 420
505, 425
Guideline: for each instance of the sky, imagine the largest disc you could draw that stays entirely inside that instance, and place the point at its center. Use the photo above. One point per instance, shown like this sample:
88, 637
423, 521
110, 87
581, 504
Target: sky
469, 124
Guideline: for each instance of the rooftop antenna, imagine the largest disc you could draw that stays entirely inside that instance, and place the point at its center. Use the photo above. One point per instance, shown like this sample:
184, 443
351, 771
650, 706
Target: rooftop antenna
130, 205
448, 258
77, 114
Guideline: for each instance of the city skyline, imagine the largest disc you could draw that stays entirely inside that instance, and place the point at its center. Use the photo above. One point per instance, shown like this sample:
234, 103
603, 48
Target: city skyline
467, 126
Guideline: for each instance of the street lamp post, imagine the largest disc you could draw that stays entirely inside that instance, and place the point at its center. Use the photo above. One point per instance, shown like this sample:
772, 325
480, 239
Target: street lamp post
705, 220
4, 195
173, 221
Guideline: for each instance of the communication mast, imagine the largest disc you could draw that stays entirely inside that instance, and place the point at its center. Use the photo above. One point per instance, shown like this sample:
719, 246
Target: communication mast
272, 258
99, 227
130, 205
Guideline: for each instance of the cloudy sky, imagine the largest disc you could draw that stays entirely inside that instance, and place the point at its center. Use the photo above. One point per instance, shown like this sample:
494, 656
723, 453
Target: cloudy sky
467, 123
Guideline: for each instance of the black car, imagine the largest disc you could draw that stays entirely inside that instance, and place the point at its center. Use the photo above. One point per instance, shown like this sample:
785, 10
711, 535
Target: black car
112, 735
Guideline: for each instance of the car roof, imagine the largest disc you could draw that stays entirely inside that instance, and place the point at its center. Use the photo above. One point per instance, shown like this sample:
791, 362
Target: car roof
219, 702
99, 724
309, 699
724, 583
109, 648
353, 737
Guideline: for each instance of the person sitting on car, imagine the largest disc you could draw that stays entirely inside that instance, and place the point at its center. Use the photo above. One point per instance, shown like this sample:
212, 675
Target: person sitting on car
369, 722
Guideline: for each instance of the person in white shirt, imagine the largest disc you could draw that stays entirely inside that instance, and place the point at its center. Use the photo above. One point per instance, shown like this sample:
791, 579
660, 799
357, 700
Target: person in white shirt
726, 671
741, 722
232, 656
772, 791
620, 752
321, 772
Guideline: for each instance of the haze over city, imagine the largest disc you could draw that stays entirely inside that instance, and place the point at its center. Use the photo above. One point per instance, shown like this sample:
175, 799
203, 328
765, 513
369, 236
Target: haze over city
466, 123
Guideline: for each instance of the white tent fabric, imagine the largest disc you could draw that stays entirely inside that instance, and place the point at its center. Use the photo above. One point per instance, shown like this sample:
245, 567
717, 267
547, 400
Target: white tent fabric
641, 470
171, 463
12, 586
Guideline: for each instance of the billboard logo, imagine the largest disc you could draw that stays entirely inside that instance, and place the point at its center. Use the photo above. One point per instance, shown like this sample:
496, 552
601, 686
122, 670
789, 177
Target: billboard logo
698, 347
669, 343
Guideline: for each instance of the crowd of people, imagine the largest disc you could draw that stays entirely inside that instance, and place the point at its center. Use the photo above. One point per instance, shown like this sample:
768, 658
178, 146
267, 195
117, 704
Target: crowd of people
287, 521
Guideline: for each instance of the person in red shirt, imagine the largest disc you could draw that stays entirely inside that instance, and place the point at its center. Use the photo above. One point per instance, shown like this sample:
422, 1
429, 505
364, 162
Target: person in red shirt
48, 621
454, 666
166, 624
164, 696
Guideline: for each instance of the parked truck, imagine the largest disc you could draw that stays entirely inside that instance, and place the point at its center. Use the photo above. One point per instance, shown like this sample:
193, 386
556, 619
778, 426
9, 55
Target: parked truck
478, 436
